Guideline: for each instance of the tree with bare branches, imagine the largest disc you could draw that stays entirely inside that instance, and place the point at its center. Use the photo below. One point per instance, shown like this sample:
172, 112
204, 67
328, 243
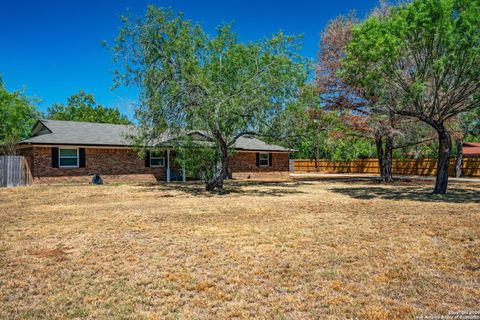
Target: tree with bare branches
360, 111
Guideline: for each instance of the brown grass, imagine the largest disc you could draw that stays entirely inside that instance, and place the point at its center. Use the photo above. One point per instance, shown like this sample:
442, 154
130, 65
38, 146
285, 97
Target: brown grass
285, 250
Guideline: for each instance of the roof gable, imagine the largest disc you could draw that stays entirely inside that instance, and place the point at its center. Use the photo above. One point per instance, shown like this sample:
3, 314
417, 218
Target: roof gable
40, 128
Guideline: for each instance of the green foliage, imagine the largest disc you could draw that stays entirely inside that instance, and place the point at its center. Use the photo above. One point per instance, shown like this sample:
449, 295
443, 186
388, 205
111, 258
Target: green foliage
309, 128
425, 55
344, 149
198, 160
422, 60
82, 107
469, 124
422, 150
217, 84
350, 149
18, 117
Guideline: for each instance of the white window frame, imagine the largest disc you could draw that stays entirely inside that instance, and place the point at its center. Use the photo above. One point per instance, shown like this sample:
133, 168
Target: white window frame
260, 159
157, 158
68, 157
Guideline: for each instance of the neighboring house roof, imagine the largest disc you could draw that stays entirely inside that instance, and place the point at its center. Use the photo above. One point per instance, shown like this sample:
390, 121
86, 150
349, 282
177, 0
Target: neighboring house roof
57, 132
471, 148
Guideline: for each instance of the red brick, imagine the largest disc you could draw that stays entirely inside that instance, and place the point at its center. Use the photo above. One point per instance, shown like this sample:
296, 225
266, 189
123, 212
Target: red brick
125, 165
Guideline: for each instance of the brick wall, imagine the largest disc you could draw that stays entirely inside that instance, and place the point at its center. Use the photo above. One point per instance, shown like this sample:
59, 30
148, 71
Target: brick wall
124, 165
111, 164
247, 162
244, 165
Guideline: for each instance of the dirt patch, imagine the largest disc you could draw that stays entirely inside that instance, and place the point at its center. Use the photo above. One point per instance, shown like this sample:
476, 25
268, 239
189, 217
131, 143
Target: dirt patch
50, 253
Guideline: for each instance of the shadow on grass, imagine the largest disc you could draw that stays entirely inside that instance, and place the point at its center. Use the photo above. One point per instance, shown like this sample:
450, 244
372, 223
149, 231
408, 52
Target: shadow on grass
241, 188
417, 193
363, 180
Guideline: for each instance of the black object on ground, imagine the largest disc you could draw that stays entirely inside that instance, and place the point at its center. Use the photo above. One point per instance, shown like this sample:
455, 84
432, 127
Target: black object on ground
97, 179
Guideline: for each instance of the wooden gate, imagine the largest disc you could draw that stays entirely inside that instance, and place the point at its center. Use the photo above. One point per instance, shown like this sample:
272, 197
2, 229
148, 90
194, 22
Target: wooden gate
14, 171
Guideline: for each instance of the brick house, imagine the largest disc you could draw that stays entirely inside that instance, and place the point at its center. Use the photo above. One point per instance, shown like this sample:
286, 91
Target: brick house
74, 151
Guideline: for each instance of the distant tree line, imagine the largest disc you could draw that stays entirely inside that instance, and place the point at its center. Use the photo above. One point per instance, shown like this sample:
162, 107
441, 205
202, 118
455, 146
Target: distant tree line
20, 113
82, 107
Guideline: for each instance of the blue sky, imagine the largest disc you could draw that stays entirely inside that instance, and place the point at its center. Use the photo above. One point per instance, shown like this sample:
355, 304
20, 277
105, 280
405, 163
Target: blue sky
52, 49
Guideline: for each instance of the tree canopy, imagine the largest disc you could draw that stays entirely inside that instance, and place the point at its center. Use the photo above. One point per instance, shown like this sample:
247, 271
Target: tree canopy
424, 56
469, 125
218, 84
82, 107
19, 114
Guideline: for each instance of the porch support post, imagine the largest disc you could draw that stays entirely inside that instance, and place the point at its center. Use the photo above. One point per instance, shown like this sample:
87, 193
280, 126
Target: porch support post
184, 172
168, 165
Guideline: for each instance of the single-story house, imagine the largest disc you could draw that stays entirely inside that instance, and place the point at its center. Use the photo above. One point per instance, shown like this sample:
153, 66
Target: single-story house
69, 150
471, 149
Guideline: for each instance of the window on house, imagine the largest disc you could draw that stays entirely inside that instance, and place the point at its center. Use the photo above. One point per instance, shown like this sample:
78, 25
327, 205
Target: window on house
263, 159
68, 158
157, 159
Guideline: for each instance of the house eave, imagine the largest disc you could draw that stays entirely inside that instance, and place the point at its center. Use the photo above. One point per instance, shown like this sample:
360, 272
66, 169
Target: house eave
117, 146
264, 150
47, 144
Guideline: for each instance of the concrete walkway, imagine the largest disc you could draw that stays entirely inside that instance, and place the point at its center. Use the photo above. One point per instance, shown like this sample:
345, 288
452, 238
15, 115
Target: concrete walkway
370, 177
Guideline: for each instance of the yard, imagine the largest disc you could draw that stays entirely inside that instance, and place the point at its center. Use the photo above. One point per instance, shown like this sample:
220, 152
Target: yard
269, 250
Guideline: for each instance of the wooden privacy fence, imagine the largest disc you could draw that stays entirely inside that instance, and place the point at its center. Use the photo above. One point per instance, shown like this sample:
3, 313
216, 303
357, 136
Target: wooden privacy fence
14, 171
424, 167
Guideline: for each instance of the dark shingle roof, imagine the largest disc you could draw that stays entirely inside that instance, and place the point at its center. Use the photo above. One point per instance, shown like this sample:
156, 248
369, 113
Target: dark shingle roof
103, 134
83, 133
254, 144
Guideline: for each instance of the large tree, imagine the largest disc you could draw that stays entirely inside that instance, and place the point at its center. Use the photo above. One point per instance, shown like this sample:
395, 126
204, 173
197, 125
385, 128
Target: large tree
193, 81
82, 107
18, 115
362, 113
425, 56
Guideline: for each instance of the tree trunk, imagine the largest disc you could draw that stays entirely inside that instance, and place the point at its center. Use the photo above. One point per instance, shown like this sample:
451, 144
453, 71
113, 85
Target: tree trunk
379, 145
444, 149
317, 157
459, 160
384, 157
216, 183
388, 157
221, 170
388, 160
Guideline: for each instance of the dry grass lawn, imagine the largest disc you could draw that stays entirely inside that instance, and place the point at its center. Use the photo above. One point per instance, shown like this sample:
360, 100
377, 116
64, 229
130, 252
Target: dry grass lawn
283, 250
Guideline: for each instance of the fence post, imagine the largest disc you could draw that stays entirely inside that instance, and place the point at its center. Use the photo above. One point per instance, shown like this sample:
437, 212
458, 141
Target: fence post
3, 170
